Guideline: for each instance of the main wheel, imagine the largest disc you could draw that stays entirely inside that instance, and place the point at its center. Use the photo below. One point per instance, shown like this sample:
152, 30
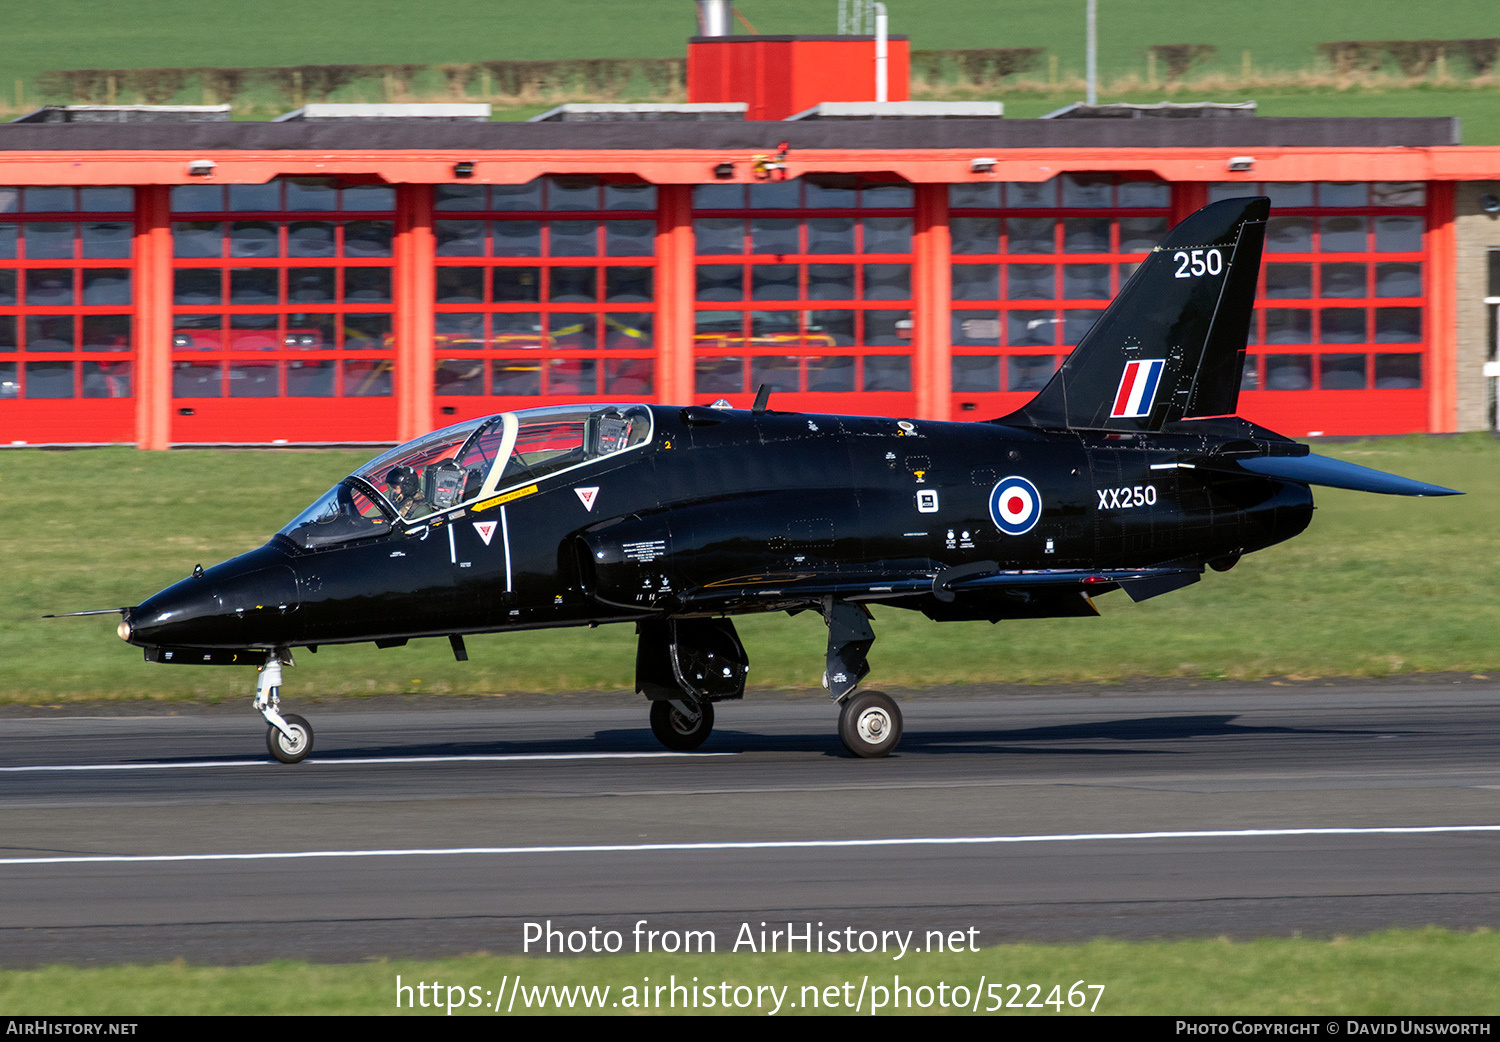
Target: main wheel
870, 724
295, 749
676, 731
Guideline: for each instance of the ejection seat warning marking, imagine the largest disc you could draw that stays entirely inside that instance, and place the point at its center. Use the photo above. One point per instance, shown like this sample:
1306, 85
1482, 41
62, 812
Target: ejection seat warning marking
586, 496
497, 500
645, 552
486, 530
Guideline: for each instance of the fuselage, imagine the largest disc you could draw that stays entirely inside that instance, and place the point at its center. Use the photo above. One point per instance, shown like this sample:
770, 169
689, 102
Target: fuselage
716, 498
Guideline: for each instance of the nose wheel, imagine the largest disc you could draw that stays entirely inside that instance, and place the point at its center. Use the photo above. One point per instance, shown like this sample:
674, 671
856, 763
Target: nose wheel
676, 726
293, 747
870, 724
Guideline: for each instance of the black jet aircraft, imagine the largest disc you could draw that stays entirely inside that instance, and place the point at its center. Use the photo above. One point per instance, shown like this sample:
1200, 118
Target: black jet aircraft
1127, 471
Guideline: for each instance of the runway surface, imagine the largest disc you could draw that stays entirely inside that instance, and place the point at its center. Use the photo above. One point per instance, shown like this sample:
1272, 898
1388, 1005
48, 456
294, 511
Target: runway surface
1051, 816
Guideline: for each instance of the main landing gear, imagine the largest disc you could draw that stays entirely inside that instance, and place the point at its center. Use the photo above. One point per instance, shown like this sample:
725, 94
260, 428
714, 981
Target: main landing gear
684, 666
870, 721
289, 737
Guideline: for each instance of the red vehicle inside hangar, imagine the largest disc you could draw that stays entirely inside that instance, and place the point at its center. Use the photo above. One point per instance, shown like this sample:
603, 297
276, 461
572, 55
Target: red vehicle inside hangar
361, 281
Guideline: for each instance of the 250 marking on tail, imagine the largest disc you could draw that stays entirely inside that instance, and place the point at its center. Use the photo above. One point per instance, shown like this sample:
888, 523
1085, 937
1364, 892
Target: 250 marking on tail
1198, 262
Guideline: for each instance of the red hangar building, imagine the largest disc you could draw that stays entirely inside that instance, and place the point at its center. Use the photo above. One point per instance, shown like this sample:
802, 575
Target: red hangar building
363, 280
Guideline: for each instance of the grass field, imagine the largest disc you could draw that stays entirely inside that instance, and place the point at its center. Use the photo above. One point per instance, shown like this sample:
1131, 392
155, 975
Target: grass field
1399, 972
1378, 585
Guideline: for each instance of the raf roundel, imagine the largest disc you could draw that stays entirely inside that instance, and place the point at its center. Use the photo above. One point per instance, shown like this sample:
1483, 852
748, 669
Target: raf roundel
1015, 505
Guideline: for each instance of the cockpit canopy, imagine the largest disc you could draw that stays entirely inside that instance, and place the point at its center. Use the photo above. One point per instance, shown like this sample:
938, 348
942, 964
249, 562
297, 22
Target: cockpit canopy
460, 464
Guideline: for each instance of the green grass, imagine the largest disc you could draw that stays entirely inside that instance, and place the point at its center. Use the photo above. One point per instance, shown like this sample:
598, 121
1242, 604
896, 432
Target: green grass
1379, 585
1398, 972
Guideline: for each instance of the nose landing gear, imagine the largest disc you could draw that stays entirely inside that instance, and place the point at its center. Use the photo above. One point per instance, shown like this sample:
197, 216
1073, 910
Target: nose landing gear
289, 737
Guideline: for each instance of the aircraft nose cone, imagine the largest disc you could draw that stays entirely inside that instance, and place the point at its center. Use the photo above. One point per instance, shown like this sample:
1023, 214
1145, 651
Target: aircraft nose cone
239, 603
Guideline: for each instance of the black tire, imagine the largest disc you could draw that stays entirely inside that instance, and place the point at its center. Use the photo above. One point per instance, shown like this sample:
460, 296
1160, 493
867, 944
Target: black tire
290, 752
676, 731
870, 724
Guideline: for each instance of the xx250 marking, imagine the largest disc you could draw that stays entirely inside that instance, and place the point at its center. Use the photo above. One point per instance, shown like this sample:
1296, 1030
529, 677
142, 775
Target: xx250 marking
1126, 496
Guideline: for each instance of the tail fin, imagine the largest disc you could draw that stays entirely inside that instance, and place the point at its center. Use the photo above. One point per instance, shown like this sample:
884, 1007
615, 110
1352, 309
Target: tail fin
1172, 343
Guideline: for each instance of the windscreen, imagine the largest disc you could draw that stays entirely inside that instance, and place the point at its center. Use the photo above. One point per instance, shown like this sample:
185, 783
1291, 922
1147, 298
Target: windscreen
438, 471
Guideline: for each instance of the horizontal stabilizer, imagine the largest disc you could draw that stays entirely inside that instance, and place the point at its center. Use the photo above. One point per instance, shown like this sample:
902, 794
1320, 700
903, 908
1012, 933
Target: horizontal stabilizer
1321, 470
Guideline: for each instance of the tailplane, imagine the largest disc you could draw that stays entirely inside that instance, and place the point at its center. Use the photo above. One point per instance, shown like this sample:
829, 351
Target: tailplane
1172, 343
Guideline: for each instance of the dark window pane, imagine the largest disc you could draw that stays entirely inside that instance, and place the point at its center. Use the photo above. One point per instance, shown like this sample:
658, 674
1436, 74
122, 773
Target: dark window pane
821, 197
629, 238
517, 197
455, 376
519, 376
311, 193
460, 285
1250, 374
10, 381
1343, 280
887, 328
1140, 234
1292, 280
1145, 193
253, 286
773, 282
1029, 372
1398, 193
829, 329
1288, 326
1028, 328
1288, 372
774, 235
7, 333
106, 200
458, 197
259, 333
254, 379
47, 200
106, 285
517, 331
1341, 326
106, 239
887, 281
49, 333
630, 197
1398, 280
49, 379
573, 285
197, 332
721, 282
1343, 235
977, 328
1289, 193
369, 197
1343, 193
885, 373
976, 373
309, 379
1289, 235
458, 332
975, 234
718, 197
628, 331
572, 332
459, 238
49, 241
1025, 194
310, 285
1086, 235
830, 375
367, 285
197, 198
779, 373
1398, 371
366, 332
1086, 281
255, 197
253, 239
7, 285
886, 197
1398, 234
308, 239
718, 330
775, 195
106, 379
719, 375
628, 285
1077, 322
1341, 372
191, 380
1030, 235
368, 238
367, 378
718, 235
1087, 190
197, 286
1030, 281
573, 238
518, 285
568, 193
974, 197
7, 240
976, 281
830, 282
887, 235
830, 235
1398, 325
306, 331
49, 287
517, 238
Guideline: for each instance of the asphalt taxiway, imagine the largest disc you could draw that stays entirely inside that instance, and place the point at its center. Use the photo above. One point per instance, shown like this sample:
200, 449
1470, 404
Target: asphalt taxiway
1045, 815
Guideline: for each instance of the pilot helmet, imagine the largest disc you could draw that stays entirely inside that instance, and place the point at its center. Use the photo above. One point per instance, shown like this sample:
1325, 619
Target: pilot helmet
402, 481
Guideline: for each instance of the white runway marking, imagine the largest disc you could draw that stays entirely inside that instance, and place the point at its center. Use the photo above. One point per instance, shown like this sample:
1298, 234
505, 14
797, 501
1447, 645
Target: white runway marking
773, 844
498, 758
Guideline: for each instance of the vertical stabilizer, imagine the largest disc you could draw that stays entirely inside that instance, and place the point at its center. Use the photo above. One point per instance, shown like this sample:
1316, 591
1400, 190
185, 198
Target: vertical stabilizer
1172, 344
